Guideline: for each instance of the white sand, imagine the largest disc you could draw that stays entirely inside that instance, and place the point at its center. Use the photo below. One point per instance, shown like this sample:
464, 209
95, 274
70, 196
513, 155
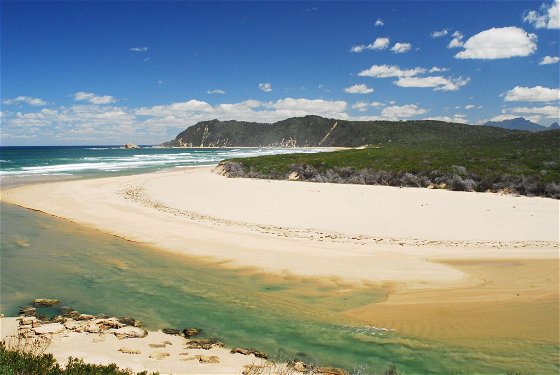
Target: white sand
353, 232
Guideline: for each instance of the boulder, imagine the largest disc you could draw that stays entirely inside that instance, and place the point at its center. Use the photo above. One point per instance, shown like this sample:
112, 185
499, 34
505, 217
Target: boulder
190, 332
205, 344
28, 311
45, 302
171, 331
85, 317
298, 366
244, 351
130, 332
130, 322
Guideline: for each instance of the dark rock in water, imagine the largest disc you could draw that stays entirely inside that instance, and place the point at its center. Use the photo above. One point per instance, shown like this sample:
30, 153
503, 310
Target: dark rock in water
69, 312
45, 302
129, 146
244, 351
171, 331
28, 311
190, 332
205, 344
130, 322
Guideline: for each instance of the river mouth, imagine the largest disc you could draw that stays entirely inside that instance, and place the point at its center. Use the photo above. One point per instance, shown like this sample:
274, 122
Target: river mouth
286, 316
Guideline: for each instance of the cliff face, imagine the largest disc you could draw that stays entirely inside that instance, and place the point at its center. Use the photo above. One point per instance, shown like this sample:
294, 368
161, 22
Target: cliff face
315, 131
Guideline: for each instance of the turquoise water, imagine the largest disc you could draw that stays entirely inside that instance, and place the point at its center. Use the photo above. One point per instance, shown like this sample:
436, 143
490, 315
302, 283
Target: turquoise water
41, 256
92, 272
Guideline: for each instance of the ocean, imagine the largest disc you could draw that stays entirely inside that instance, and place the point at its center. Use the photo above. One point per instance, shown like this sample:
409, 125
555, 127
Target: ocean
285, 316
24, 164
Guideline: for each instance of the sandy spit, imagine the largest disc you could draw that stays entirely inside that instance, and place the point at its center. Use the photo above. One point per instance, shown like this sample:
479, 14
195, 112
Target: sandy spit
370, 234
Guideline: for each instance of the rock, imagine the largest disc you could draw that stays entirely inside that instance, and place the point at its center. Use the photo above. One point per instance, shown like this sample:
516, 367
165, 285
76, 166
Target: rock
298, 366
244, 351
129, 146
294, 176
28, 311
28, 320
130, 332
129, 351
171, 331
207, 359
108, 323
85, 317
58, 319
50, 328
130, 322
159, 355
1, 316
69, 312
45, 302
190, 332
329, 371
205, 344
73, 325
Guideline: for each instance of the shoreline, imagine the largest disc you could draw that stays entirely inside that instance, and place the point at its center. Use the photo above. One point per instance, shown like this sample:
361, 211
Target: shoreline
103, 340
365, 235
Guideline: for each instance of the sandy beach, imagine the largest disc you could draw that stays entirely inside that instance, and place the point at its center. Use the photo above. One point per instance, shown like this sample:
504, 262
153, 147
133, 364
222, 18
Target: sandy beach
430, 248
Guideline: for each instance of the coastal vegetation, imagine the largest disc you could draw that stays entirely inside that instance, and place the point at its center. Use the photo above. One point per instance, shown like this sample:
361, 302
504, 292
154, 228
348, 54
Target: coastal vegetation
444, 156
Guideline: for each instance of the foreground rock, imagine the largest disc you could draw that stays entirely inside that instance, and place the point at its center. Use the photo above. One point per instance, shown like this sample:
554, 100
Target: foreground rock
254, 352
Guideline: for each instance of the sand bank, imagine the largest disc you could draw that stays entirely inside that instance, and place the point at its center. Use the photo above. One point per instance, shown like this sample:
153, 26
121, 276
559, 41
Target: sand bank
369, 234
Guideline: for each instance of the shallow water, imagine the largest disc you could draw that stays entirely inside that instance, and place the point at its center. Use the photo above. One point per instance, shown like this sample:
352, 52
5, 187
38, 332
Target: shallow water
46, 257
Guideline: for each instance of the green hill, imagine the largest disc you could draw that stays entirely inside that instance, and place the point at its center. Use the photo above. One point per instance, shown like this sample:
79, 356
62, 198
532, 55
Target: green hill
316, 131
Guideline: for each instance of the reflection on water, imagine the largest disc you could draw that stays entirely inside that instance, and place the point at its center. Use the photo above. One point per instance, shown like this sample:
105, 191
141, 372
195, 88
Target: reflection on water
94, 273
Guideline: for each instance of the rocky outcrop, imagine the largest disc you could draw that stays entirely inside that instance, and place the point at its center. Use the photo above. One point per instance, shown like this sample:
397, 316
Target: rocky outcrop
129, 146
45, 302
190, 332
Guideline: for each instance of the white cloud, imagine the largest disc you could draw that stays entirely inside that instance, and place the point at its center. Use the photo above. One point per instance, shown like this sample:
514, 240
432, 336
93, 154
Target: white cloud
139, 49
359, 89
379, 22
532, 94
26, 100
438, 34
377, 45
216, 91
266, 87
548, 16
457, 40
401, 47
385, 71
549, 111
549, 60
93, 98
438, 83
469, 106
402, 112
499, 43
363, 106
436, 69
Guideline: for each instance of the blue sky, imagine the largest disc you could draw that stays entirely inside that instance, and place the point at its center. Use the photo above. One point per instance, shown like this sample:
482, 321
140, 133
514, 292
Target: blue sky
114, 72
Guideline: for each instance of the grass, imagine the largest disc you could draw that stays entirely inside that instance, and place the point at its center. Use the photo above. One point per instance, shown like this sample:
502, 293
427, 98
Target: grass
26, 356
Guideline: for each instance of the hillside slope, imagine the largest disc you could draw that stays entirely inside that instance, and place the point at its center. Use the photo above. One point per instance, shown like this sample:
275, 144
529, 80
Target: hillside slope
313, 131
